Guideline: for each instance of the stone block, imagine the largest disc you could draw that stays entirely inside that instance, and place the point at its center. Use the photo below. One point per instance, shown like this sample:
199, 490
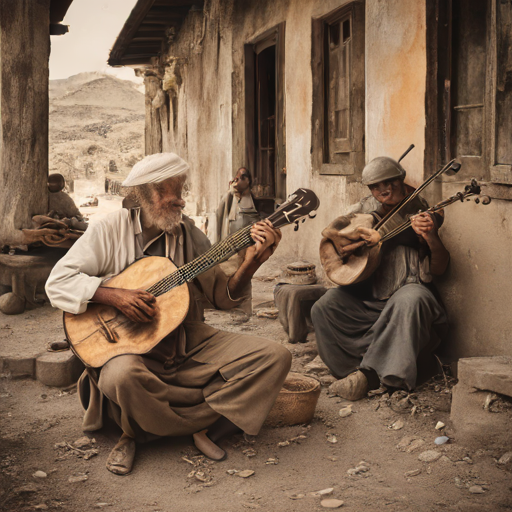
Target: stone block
487, 373
17, 367
473, 424
58, 369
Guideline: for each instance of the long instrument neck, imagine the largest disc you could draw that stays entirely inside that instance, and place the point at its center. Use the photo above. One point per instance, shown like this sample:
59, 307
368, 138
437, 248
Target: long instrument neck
219, 252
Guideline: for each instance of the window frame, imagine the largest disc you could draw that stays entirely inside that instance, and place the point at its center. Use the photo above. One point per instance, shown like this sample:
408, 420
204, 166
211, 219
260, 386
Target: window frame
319, 59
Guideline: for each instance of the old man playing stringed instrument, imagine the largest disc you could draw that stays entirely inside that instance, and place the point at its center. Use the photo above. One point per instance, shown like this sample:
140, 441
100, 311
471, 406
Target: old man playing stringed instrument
153, 365
386, 315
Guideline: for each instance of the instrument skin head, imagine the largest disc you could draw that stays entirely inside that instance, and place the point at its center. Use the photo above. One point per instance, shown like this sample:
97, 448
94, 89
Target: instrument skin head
380, 169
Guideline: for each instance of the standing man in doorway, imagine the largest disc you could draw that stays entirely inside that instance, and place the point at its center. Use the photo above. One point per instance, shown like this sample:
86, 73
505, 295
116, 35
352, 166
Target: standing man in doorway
237, 209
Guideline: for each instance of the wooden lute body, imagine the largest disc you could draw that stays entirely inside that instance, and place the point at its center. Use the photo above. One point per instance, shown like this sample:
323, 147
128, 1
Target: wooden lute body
103, 332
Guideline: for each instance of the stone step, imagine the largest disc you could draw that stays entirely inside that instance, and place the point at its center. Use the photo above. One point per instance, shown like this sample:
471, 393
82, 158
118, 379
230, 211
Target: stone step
56, 369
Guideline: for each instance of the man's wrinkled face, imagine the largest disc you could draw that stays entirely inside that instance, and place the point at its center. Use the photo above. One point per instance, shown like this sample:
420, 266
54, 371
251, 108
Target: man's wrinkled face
162, 203
241, 181
389, 192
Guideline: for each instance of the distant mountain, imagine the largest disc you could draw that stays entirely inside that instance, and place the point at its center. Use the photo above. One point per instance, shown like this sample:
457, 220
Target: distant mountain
95, 119
63, 86
104, 91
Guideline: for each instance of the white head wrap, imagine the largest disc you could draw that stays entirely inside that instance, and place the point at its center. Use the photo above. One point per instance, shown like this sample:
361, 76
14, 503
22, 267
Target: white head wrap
156, 168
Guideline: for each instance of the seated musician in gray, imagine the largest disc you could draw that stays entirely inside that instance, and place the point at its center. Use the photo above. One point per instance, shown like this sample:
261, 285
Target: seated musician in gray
197, 380
376, 331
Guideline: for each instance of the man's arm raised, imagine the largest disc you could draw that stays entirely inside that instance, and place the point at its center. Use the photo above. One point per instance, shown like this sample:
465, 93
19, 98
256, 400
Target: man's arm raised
267, 239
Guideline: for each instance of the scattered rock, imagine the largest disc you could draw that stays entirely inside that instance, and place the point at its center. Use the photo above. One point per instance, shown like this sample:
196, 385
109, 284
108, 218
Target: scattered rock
84, 443
78, 478
345, 411
323, 492
26, 489
331, 503
42, 506
271, 313
232, 471
249, 452
296, 496
397, 425
202, 477
102, 505
441, 440
429, 456
404, 443
476, 489
362, 467
272, 462
414, 472
415, 445
39, 474
283, 443
246, 473
331, 438
505, 458
440, 425
444, 458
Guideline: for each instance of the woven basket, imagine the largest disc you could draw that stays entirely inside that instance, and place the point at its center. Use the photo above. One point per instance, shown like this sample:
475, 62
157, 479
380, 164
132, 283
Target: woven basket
296, 401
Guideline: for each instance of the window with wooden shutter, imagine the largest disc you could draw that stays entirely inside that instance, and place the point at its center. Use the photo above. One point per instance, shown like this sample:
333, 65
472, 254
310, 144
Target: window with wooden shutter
476, 92
338, 91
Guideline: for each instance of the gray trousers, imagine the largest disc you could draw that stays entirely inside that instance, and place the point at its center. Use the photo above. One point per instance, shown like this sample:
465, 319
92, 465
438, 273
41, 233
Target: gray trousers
386, 336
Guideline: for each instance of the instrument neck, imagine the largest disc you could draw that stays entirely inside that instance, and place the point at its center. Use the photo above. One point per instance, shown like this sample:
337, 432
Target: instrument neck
218, 253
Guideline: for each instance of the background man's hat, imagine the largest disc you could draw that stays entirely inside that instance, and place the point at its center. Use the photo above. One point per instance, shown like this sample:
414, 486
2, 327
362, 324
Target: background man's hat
156, 168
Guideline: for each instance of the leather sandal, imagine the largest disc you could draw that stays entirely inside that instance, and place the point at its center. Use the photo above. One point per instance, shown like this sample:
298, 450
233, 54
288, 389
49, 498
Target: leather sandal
120, 460
353, 387
207, 447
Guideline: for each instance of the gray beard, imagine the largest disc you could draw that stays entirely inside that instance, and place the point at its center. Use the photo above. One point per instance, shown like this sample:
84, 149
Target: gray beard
164, 220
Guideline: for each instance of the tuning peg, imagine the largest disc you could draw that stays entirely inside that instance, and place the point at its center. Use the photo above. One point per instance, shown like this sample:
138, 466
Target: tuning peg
312, 214
296, 228
303, 220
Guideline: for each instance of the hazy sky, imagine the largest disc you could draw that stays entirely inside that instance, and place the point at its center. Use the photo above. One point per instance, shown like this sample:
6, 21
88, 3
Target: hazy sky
93, 28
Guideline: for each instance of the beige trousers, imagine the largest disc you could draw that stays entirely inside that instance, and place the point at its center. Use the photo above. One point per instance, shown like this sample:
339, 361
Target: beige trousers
230, 375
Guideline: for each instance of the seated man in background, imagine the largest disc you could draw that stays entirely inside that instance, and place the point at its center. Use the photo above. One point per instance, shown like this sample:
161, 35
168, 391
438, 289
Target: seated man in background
197, 380
373, 332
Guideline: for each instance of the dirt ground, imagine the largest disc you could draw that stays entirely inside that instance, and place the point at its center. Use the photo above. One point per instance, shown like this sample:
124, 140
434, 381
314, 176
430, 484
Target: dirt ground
40, 424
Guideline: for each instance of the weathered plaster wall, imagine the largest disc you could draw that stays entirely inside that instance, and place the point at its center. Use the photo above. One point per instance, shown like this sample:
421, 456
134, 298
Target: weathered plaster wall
211, 108
395, 82
24, 54
212, 94
476, 288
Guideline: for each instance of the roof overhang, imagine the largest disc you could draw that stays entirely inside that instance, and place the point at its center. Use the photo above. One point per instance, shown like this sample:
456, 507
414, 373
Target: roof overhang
58, 9
148, 28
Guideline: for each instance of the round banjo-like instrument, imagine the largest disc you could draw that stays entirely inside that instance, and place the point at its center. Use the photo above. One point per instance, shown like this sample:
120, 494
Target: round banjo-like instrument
348, 259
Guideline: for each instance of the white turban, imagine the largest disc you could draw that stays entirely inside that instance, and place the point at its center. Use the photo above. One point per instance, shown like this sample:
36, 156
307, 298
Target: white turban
156, 168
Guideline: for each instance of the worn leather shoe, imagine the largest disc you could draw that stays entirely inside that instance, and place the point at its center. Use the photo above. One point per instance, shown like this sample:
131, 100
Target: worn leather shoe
120, 460
353, 387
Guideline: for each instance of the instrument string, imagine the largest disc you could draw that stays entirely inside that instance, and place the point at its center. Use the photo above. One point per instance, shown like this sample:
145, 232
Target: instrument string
433, 209
219, 252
